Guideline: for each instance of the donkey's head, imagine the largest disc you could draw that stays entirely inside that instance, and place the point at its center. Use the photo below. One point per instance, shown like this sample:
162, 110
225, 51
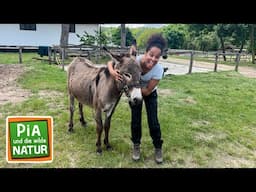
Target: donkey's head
130, 70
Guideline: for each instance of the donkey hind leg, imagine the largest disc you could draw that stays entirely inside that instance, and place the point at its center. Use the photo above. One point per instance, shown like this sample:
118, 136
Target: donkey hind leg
106, 130
99, 129
81, 113
71, 109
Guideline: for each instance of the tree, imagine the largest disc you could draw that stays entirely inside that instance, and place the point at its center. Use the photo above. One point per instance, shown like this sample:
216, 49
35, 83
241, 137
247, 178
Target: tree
240, 33
64, 37
222, 32
99, 39
117, 40
144, 35
175, 39
252, 26
201, 37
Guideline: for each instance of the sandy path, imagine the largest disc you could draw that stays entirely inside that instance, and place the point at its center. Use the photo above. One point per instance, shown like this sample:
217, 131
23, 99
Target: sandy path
9, 90
246, 71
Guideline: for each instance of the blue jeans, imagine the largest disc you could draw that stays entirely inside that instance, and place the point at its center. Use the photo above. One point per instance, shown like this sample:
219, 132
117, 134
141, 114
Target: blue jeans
153, 123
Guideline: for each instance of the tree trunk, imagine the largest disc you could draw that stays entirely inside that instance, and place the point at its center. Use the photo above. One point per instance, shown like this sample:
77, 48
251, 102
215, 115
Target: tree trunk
123, 36
252, 43
223, 48
64, 37
240, 51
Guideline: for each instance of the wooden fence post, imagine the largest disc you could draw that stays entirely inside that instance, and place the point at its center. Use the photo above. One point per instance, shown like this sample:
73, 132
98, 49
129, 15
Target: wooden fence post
50, 55
20, 54
216, 62
191, 62
62, 57
54, 54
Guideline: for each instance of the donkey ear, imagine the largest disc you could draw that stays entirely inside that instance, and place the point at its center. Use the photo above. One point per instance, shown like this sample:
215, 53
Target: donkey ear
133, 56
117, 57
133, 52
112, 55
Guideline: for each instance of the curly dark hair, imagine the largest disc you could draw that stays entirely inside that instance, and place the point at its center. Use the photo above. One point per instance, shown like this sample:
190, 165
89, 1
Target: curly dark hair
156, 40
134, 42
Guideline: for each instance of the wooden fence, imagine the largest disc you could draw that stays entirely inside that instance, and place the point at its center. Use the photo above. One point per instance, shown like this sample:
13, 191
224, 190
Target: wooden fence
214, 54
82, 51
18, 49
56, 54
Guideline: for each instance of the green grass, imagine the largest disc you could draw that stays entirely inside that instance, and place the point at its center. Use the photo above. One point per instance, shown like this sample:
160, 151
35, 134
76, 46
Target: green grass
207, 120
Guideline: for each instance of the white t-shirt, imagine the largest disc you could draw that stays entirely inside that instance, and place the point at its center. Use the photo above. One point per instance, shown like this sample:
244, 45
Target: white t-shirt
155, 73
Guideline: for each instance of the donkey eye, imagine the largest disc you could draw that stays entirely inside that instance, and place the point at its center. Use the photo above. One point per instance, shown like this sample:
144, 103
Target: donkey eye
128, 75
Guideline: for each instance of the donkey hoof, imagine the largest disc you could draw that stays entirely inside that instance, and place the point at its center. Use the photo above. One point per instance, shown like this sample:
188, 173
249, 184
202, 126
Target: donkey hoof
99, 151
84, 123
70, 130
109, 147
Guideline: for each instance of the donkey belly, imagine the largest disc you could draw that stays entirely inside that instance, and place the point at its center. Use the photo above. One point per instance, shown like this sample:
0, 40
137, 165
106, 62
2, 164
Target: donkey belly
82, 90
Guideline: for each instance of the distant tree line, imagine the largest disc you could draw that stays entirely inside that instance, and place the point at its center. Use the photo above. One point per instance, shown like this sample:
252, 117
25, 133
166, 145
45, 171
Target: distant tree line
202, 37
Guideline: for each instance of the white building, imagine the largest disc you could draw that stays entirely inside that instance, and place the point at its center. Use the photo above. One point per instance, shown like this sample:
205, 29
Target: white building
41, 34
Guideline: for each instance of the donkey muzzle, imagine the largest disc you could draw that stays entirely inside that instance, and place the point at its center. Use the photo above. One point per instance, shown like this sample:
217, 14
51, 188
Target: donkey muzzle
136, 96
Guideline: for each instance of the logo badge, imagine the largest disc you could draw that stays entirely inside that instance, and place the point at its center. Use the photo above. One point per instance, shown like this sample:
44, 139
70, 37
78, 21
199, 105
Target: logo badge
29, 139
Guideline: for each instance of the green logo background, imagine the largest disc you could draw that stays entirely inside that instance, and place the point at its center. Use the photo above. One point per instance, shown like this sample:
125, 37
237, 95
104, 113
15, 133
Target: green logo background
33, 148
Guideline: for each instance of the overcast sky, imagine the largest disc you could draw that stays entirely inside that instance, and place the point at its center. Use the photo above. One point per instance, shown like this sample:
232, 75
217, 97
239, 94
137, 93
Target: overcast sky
134, 25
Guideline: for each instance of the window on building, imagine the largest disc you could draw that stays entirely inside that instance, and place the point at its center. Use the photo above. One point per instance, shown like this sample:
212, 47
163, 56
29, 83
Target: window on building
72, 28
31, 27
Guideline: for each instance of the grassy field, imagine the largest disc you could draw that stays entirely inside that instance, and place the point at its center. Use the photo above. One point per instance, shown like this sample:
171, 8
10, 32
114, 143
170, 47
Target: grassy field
207, 121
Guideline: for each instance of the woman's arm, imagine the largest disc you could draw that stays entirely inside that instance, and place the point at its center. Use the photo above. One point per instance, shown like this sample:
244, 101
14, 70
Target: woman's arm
151, 85
114, 72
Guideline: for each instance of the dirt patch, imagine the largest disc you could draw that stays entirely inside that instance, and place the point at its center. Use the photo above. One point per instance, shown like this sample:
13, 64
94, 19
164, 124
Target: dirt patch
189, 100
247, 71
165, 92
9, 90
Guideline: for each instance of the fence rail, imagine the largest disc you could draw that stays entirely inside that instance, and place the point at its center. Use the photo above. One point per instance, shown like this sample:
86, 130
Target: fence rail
56, 53
214, 55
19, 49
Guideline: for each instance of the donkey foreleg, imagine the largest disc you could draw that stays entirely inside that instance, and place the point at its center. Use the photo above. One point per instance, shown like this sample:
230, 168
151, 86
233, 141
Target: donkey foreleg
99, 128
106, 130
107, 122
